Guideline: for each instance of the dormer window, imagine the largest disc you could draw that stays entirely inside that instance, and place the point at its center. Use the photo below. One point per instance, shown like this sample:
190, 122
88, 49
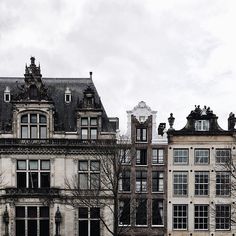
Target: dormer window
141, 134
7, 95
89, 127
67, 95
33, 126
202, 125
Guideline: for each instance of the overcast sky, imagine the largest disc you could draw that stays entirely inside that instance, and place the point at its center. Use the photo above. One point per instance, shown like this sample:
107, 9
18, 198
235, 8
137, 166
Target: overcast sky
171, 54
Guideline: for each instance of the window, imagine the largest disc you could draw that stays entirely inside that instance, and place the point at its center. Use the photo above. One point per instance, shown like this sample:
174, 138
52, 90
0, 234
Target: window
141, 181
33, 174
201, 183
32, 220
124, 184
89, 221
67, 95
141, 211
33, 126
223, 183
124, 156
202, 125
201, 217
157, 156
141, 134
157, 212
89, 127
201, 156
124, 211
223, 217
180, 216
141, 157
89, 174
157, 181
180, 156
180, 183
223, 156
7, 94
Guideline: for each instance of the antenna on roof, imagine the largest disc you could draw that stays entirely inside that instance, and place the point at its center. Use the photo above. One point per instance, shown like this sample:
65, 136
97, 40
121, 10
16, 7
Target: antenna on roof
91, 74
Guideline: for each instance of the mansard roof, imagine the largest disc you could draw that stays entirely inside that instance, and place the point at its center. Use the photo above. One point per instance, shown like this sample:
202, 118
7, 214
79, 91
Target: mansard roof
55, 89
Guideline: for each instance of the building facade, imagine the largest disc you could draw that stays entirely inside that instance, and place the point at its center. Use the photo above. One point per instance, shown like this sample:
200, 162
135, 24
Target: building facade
51, 134
200, 197
143, 189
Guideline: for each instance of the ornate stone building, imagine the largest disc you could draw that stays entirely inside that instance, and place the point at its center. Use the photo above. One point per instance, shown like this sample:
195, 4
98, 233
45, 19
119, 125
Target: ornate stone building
200, 176
51, 130
143, 188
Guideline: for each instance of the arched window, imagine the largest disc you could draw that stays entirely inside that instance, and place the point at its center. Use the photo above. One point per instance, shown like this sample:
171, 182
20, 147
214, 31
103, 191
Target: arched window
33, 125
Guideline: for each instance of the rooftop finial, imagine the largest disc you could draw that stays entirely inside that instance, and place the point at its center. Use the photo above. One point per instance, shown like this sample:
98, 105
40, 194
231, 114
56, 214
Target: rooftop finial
91, 74
32, 59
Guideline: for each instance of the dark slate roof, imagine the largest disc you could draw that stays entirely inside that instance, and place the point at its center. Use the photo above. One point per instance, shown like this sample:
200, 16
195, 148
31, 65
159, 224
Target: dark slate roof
65, 113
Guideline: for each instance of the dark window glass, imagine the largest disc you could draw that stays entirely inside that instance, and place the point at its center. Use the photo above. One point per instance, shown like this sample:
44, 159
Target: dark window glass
32, 212
20, 228
21, 180
44, 227
45, 180
83, 228
95, 228
157, 212
32, 227
141, 212
94, 212
33, 118
42, 119
33, 180
141, 158
20, 211
44, 212
24, 119
83, 212
124, 208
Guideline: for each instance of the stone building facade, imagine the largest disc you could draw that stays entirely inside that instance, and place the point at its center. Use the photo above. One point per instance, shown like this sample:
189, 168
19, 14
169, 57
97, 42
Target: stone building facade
51, 131
200, 181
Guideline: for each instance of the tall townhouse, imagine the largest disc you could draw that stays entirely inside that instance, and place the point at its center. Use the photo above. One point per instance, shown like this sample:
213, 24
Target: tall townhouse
200, 200
143, 186
51, 130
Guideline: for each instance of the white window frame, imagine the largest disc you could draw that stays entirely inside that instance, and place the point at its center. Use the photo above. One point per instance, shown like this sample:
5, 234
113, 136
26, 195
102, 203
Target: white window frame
223, 183
180, 218
90, 127
141, 182
158, 156
201, 217
161, 211
201, 186
202, 125
223, 217
223, 156
180, 183
201, 156
180, 156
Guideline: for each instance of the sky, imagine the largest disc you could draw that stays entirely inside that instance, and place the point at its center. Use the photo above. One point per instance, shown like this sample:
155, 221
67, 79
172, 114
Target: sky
172, 54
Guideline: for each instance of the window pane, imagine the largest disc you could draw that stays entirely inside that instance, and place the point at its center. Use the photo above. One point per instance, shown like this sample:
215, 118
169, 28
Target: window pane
95, 228
33, 118
94, 181
32, 227
83, 165
42, 119
93, 121
83, 212
44, 227
83, 181
32, 212
21, 165
33, 131
93, 133
45, 165
21, 180
141, 212
157, 212
33, 164
33, 180
84, 121
124, 212
24, 131
20, 211
44, 211
95, 165
83, 228
20, 228
42, 132
84, 133
45, 180
24, 119
94, 212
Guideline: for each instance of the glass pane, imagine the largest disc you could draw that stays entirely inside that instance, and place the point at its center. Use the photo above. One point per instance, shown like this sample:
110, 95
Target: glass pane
24, 131
20, 211
42, 119
93, 121
94, 181
84, 121
83, 165
21, 165
83, 212
33, 118
44, 227
24, 119
95, 165
84, 133
32, 212
33, 131
45, 180
33, 180
42, 132
20, 228
93, 133
83, 181
95, 228
21, 180
45, 165
32, 227
33, 164
44, 211
83, 228
94, 212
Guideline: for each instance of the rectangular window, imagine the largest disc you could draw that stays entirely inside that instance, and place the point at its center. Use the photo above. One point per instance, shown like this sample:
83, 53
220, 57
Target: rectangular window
84, 133
180, 182
42, 131
180, 217
84, 121
124, 156
141, 157
24, 131
157, 212
141, 181
89, 221
181, 156
201, 217
157, 156
141, 211
223, 217
124, 211
157, 181
223, 183
93, 133
223, 156
202, 125
32, 219
202, 156
125, 181
201, 183
33, 174
89, 174
93, 121
141, 134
